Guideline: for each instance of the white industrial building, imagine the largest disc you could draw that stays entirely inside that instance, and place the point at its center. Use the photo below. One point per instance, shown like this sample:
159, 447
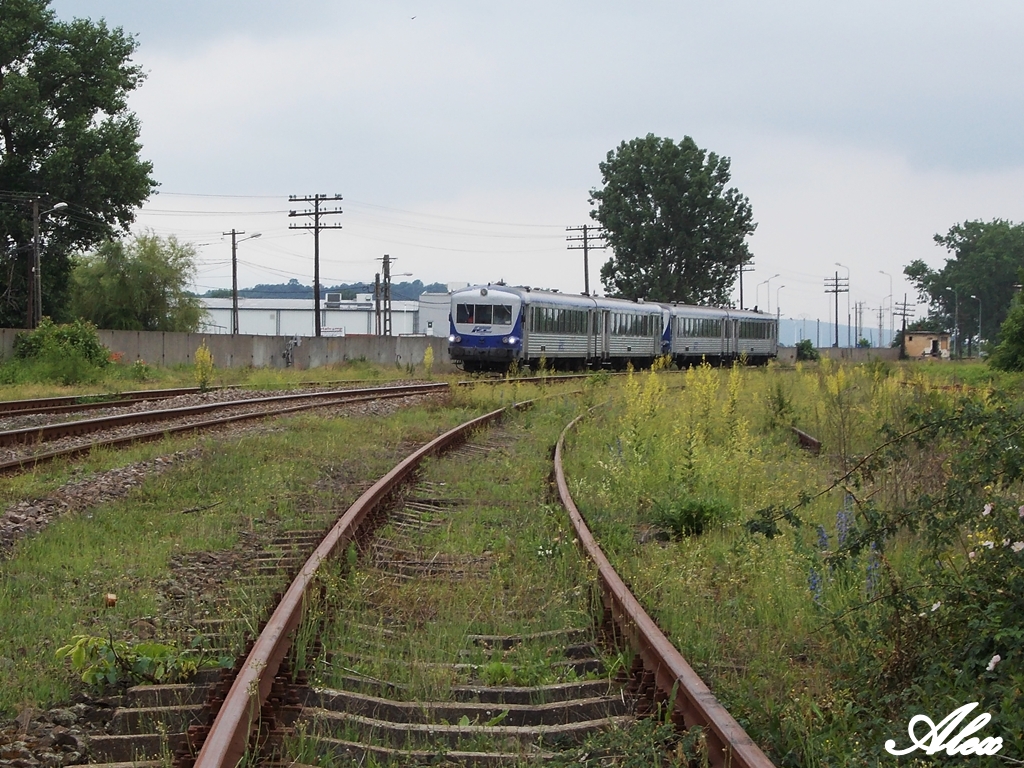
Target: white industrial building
294, 317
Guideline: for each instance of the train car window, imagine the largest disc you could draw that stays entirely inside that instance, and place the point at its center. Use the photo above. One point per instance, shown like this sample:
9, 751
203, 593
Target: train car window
464, 313
484, 313
502, 314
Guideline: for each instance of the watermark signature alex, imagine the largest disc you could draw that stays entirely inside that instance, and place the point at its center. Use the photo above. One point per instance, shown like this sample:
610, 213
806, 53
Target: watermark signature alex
947, 735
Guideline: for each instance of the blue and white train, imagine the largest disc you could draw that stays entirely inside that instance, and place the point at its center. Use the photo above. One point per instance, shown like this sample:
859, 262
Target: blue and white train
493, 326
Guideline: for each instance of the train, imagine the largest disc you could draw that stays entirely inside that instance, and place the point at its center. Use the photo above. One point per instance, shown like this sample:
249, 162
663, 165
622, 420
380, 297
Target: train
496, 326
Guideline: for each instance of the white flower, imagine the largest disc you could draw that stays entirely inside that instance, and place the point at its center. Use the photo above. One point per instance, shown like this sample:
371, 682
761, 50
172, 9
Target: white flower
1020, 511
988, 544
987, 510
1017, 546
935, 606
992, 663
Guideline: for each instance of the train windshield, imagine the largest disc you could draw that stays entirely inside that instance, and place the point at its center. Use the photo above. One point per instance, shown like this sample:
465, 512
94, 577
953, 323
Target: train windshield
484, 314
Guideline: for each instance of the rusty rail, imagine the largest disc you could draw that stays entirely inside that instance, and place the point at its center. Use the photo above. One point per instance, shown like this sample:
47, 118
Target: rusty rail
47, 432
665, 676
229, 736
27, 462
61, 403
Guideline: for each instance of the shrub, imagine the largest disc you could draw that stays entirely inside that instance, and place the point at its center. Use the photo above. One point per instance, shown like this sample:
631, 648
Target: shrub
204, 367
806, 351
50, 339
68, 354
689, 515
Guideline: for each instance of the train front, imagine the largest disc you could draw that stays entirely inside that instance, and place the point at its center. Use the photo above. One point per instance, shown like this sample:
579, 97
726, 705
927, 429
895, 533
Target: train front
486, 331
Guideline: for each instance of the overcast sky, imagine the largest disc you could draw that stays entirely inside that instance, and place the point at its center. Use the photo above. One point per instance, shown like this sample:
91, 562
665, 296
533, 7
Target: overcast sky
465, 136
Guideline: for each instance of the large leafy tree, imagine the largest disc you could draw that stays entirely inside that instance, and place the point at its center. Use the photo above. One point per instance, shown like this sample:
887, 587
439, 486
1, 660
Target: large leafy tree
1009, 355
678, 231
66, 135
138, 285
987, 257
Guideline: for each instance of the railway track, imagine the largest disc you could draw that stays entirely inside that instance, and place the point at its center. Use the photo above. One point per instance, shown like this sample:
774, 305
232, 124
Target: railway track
82, 435
430, 654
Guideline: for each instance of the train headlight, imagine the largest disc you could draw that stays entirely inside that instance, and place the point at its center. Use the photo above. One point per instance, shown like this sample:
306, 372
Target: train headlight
453, 339
510, 339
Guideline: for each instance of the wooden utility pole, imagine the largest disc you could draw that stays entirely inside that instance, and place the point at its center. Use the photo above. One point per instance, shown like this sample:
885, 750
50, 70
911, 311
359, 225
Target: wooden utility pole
837, 285
904, 310
586, 242
316, 226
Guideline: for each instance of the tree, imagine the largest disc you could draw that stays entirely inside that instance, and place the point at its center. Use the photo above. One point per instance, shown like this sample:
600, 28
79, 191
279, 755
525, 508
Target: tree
1009, 355
677, 232
988, 257
141, 285
66, 135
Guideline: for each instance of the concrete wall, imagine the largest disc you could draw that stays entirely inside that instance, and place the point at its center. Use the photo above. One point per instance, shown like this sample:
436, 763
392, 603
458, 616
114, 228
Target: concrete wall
850, 355
167, 349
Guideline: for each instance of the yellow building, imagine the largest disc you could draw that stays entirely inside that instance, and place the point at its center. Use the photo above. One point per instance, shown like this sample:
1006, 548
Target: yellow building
927, 344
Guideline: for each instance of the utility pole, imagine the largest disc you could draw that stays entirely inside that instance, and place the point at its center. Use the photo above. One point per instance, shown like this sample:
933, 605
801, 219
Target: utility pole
376, 301
837, 285
881, 315
744, 268
386, 298
904, 310
316, 226
234, 275
586, 243
33, 269
858, 310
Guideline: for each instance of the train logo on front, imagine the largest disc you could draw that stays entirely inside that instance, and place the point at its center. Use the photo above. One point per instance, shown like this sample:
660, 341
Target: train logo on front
940, 736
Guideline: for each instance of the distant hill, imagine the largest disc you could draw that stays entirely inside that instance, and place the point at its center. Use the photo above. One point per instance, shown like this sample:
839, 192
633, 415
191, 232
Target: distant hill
293, 289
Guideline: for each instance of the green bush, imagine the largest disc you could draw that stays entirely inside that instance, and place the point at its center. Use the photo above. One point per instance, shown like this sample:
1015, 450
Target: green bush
689, 515
67, 354
50, 339
806, 351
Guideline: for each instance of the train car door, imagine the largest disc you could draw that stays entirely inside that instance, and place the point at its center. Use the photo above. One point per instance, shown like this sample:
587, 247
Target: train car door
591, 335
604, 321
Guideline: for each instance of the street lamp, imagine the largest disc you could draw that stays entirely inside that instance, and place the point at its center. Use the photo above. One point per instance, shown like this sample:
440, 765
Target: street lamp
778, 309
234, 274
892, 329
956, 320
757, 291
35, 296
849, 341
979, 323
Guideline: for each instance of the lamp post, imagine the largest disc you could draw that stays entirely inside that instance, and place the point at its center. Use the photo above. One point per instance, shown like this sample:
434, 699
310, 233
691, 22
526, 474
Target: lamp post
234, 274
35, 293
979, 323
768, 298
778, 311
892, 330
849, 341
956, 320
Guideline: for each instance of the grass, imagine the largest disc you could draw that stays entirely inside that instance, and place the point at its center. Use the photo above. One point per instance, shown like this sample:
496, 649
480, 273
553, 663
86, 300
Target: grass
779, 629
54, 585
119, 377
501, 527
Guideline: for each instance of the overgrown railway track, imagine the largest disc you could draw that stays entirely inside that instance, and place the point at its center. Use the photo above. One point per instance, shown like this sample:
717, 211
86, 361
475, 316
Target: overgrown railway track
268, 712
83, 435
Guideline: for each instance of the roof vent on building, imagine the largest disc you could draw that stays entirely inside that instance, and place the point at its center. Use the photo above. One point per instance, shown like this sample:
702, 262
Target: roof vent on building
333, 300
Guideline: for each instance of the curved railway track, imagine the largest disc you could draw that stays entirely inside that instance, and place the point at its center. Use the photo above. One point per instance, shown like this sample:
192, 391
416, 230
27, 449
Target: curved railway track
252, 713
